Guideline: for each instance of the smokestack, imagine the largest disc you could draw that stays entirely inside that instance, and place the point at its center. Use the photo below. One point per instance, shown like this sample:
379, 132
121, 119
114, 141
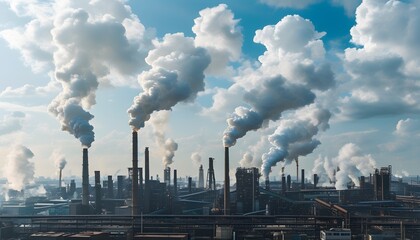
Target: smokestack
59, 179
315, 180
267, 183
175, 183
167, 176
289, 182
110, 187
227, 183
362, 182
302, 182
120, 186
85, 179
297, 169
146, 181
98, 192
189, 184
135, 177
283, 183
200, 177
141, 190
211, 179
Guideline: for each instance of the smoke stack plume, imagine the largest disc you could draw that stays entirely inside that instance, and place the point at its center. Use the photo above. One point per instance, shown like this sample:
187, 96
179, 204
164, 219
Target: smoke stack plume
18, 170
85, 179
60, 163
227, 184
135, 177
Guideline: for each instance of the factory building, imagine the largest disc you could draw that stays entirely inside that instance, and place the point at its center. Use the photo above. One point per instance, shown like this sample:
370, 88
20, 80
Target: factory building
247, 190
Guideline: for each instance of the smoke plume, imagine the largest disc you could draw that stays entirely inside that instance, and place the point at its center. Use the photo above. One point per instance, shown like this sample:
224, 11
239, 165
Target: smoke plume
196, 158
347, 167
84, 44
59, 160
168, 146
294, 136
11, 123
176, 75
19, 170
292, 67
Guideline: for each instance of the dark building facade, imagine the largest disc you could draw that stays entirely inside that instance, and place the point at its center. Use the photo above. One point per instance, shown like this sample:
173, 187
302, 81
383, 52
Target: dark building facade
247, 190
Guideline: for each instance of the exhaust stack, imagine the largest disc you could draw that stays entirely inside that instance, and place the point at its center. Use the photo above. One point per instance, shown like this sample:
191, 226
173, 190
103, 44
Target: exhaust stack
85, 179
227, 184
59, 179
98, 192
135, 176
146, 181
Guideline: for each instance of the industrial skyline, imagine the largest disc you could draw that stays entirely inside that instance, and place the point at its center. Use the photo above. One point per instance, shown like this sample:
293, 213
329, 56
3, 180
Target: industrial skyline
274, 81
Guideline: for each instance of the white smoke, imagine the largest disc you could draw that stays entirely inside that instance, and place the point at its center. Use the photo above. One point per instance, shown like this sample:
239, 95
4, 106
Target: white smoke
59, 159
168, 146
293, 66
294, 136
348, 166
19, 170
176, 75
196, 158
246, 161
84, 44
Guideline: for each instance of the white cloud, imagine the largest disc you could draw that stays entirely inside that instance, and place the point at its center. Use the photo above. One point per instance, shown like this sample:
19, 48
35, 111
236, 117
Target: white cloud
384, 68
11, 122
290, 3
218, 32
407, 127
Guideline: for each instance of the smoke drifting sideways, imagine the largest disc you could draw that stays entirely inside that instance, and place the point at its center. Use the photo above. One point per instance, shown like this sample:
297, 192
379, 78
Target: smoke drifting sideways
176, 75
84, 44
294, 136
292, 67
19, 170
347, 167
167, 146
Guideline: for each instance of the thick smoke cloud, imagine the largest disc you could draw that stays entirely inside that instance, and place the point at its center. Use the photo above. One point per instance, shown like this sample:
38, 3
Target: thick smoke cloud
217, 31
294, 136
84, 44
384, 67
12, 122
347, 167
196, 158
167, 146
291, 69
19, 170
176, 75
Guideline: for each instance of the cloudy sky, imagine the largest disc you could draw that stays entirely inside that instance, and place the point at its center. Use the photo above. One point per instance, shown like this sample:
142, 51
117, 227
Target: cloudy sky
329, 82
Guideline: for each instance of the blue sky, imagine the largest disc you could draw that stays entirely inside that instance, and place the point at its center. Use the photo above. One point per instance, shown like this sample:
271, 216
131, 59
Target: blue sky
309, 79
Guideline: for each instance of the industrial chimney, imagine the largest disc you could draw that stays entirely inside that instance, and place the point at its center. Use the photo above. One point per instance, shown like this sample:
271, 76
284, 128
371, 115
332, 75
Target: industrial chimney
200, 177
85, 181
315, 180
59, 179
289, 182
189, 184
98, 192
267, 183
283, 183
227, 184
135, 177
175, 184
110, 187
302, 182
146, 181
211, 179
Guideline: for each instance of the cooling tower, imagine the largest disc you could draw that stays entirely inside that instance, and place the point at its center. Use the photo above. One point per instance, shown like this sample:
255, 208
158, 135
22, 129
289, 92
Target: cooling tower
135, 176
85, 179
227, 184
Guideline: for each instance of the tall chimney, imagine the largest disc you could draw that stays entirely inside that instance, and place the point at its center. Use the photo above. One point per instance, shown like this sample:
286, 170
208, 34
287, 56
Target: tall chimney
200, 177
267, 183
141, 190
227, 184
175, 184
135, 177
289, 182
189, 184
59, 179
120, 186
98, 192
146, 181
297, 169
85, 180
315, 180
283, 183
302, 182
110, 187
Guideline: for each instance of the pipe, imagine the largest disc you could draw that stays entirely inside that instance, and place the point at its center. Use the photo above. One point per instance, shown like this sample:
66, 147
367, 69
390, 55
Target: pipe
227, 184
85, 179
135, 177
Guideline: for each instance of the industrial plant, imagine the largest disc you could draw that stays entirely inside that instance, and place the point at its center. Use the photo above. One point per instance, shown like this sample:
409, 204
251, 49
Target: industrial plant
138, 206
